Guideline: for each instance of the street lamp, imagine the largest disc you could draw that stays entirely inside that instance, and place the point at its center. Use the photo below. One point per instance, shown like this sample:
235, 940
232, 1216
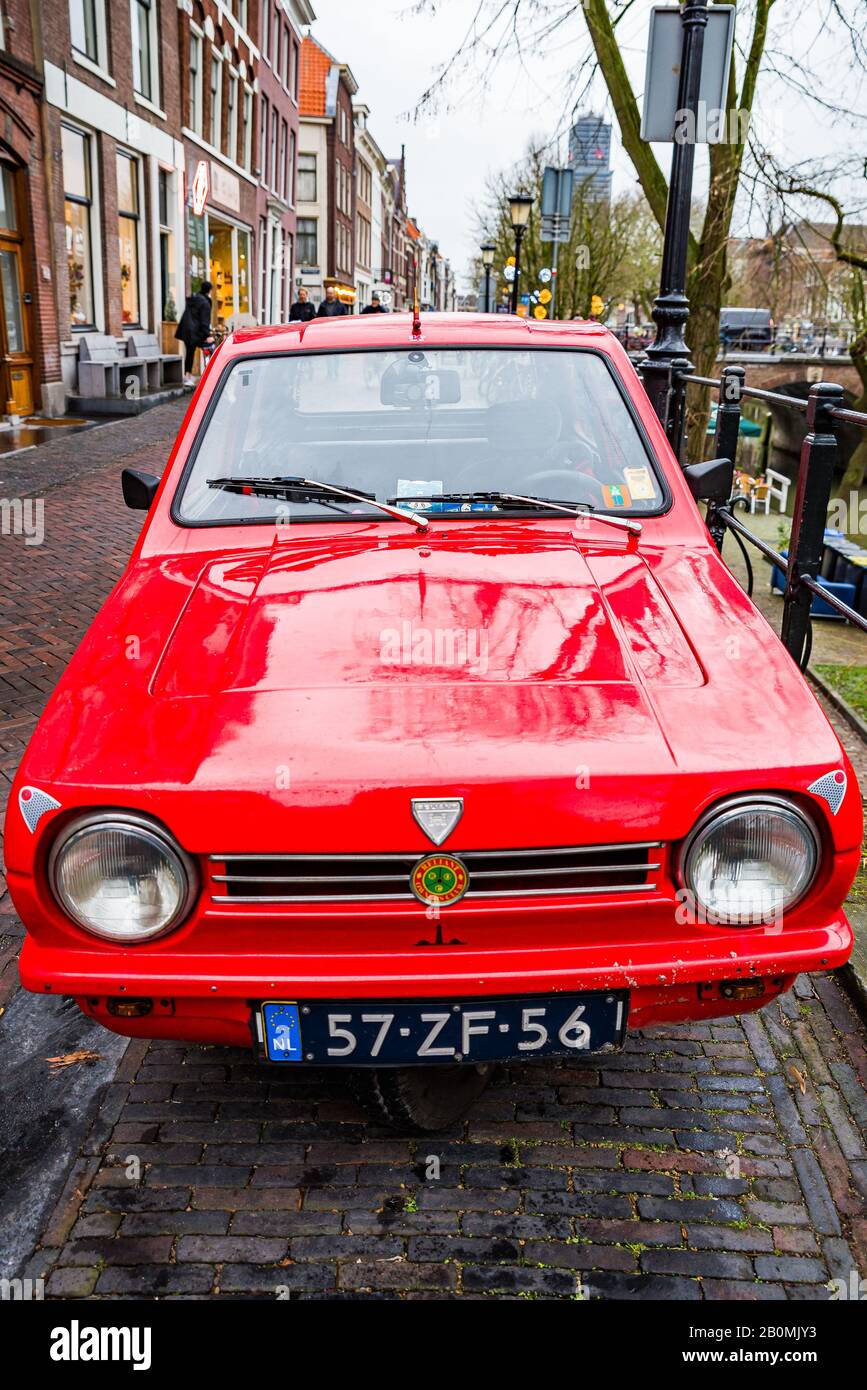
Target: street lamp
488, 250
519, 208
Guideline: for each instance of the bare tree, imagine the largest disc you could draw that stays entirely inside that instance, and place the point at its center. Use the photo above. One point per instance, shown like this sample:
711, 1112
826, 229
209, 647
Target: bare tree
521, 29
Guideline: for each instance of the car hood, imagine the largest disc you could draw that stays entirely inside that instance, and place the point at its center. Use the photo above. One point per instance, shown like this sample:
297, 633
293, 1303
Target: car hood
311, 688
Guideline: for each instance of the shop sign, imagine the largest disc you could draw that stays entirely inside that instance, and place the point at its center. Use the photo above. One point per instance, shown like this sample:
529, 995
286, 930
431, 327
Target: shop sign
225, 188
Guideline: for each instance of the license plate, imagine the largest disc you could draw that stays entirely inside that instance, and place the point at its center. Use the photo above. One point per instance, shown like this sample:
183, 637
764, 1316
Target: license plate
389, 1033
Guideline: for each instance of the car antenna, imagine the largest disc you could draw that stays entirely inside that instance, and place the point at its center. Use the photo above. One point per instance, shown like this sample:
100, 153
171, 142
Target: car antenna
416, 316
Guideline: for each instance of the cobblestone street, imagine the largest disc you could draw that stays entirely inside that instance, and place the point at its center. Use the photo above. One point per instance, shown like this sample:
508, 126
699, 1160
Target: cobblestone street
717, 1161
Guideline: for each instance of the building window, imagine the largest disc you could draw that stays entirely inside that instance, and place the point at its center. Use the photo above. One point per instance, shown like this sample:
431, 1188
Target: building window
127, 237
87, 29
284, 64
168, 295
306, 241
275, 43
284, 131
263, 269
293, 71
143, 48
290, 177
216, 98
263, 138
247, 158
307, 178
232, 117
77, 208
242, 14
275, 126
195, 82
266, 26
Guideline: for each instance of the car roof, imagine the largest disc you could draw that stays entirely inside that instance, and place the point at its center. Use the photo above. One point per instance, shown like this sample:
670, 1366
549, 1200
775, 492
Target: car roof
445, 330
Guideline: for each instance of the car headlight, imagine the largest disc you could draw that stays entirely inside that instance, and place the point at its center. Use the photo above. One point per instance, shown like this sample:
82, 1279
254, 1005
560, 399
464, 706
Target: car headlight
751, 860
121, 877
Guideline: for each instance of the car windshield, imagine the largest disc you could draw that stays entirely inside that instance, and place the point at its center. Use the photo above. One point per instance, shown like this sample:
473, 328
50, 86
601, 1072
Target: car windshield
424, 428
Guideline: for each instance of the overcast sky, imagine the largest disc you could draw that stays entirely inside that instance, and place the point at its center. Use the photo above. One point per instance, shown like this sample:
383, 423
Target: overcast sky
394, 55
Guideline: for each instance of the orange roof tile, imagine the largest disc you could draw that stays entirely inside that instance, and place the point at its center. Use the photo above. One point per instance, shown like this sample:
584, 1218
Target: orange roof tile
315, 67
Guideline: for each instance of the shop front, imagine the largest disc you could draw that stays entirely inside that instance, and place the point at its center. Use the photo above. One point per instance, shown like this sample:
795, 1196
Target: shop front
220, 246
17, 396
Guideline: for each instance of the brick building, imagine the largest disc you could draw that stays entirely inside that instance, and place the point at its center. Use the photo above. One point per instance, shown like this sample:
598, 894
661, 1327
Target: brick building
326, 166
116, 173
221, 148
29, 352
280, 39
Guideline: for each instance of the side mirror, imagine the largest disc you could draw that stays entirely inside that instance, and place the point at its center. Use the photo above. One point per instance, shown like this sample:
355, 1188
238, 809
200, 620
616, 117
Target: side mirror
139, 489
711, 481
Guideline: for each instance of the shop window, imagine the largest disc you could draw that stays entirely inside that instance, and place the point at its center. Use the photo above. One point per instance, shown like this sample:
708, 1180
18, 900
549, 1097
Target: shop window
229, 257
127, 238
78, 209
168, 289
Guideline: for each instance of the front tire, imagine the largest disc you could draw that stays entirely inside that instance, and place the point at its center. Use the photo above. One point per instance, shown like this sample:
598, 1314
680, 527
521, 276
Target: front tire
418, 1100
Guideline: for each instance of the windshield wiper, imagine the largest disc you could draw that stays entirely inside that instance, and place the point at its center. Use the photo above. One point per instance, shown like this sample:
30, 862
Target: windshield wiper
576, 509
310, 489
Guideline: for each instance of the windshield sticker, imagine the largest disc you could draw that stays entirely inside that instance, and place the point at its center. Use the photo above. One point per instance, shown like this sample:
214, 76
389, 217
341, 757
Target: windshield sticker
616, 496
418, 487
640, 484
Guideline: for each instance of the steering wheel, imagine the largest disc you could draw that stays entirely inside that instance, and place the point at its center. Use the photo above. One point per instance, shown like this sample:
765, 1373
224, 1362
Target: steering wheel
586, 483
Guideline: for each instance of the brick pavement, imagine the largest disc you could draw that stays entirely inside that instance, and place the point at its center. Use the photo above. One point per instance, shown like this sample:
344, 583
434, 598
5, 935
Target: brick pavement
712, 1161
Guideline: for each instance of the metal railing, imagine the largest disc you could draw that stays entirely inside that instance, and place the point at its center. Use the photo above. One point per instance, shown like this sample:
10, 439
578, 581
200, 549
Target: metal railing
825, 414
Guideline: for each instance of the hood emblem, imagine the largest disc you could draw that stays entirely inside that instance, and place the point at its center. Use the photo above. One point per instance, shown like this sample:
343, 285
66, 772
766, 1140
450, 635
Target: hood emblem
439, 879
831, 788
33, 804
437, 818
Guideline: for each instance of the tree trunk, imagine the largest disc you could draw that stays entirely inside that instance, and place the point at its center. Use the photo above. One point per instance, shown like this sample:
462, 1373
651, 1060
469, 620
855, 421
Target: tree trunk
853, 478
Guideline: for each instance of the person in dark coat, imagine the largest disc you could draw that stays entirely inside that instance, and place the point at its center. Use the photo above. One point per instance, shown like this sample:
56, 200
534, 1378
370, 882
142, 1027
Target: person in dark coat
194, 329
375, 306
302, 310
331, 307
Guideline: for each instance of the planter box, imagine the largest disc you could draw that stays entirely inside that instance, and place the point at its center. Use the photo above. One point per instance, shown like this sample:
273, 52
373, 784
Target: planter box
168, 341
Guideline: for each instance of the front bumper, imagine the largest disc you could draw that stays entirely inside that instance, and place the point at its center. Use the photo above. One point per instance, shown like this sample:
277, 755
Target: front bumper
671, 976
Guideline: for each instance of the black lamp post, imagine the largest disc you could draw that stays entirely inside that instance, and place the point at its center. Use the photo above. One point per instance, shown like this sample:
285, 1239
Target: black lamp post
519, 208
488, 250
671, 307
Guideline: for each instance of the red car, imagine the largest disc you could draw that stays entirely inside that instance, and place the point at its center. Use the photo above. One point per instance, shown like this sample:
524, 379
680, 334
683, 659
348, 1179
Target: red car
426, 727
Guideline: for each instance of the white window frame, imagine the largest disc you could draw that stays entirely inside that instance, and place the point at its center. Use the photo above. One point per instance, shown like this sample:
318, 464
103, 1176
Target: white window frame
99, 64
153, 47
215, 130
232, 132
249, 120
196, 112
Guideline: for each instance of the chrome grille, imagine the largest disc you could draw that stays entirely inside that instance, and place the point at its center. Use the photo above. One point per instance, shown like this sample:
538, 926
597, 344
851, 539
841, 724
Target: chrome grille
513, 873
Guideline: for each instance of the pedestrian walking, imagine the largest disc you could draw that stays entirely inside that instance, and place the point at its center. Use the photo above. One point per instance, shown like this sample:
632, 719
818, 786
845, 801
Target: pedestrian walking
375, 306
194, 329
331, 306
302, 310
